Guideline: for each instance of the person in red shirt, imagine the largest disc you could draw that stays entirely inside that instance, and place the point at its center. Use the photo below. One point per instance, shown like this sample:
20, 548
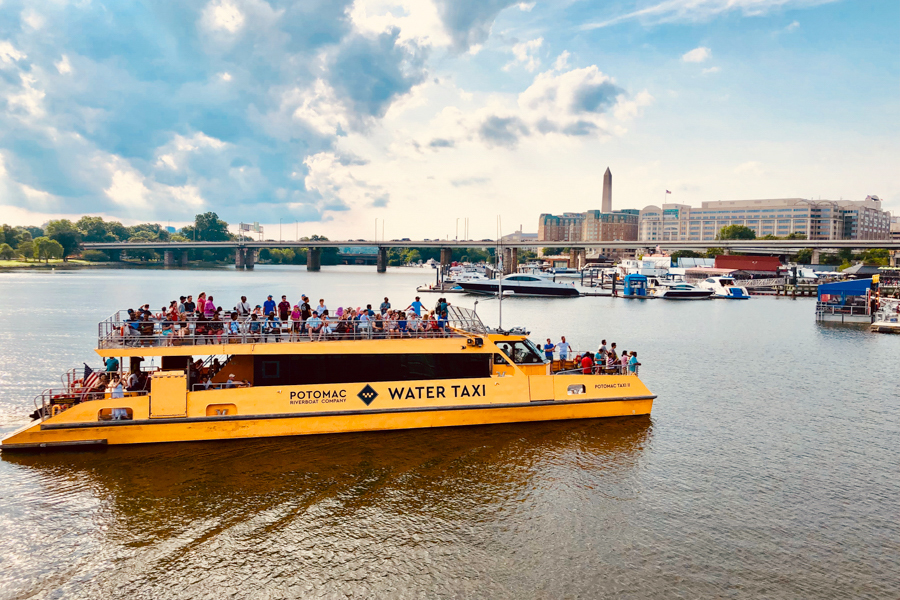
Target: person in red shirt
284, 309
587, 363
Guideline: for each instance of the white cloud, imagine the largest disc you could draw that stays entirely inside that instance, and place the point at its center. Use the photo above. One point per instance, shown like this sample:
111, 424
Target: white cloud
32, 19
701, 10
525, 54
526, 6
63, 66
223, 16
562, 61
794, 25
127, 188
8, 53
226, 76
418, 20
339, 188
318, 107
29, 100
710, 70
697, 55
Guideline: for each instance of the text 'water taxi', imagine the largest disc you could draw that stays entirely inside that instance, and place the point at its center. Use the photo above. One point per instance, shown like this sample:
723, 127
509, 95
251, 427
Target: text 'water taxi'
268, 386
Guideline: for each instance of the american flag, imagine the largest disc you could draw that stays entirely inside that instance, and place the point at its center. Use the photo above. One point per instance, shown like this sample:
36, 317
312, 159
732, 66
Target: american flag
90, 378
668, 192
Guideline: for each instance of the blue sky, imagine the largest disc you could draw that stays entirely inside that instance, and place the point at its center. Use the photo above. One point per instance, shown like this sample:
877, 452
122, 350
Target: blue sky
333, 114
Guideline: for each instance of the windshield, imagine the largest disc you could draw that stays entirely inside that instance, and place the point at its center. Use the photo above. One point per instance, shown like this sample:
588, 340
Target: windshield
521, 352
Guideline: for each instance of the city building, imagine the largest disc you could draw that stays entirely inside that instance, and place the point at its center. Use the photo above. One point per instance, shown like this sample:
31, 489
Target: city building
816, 219
592, 225
520, 236
895, 228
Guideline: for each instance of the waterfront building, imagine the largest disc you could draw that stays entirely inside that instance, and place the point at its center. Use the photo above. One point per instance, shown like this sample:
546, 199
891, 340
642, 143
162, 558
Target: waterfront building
816, 219
895, 228
601, 225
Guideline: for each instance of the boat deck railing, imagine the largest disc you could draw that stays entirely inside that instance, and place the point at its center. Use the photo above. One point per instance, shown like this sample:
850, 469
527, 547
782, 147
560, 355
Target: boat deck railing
52, 401
823, 308
119, 331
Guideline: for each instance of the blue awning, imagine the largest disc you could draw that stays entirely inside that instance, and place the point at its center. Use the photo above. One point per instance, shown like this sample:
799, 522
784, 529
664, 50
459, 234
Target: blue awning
853, 287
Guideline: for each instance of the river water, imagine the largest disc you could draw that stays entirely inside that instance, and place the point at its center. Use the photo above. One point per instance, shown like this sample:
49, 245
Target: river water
768, 468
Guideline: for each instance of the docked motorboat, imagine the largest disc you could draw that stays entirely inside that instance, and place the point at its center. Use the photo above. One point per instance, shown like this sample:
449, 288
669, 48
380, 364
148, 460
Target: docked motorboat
724, 287
681, 291
887, 319
521, 284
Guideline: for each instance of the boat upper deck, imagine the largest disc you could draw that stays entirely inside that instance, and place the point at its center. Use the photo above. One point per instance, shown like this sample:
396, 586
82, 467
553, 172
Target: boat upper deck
121, 335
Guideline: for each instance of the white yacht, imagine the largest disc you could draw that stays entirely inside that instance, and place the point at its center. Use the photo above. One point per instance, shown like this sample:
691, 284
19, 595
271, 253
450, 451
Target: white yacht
724, 286
681, 291
521, 284
887, 319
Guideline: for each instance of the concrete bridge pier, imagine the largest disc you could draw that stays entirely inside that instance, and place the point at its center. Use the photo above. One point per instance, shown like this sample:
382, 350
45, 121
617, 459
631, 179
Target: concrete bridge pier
238, 258
314, 259
175, 258
816, 254
577, 257
446, 256
510, 260
382, 260
249, 258
244, 258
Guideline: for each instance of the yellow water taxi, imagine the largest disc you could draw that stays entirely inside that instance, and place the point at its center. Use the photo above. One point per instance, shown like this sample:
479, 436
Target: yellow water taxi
350, 381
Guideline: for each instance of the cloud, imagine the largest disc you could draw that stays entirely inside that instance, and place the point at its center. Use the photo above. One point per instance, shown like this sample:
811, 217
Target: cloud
793, 26
373, 72
701, 10
469, 21
697, 55
441, 143
710, 70
502, 131
337, 188
223, 16
525, 54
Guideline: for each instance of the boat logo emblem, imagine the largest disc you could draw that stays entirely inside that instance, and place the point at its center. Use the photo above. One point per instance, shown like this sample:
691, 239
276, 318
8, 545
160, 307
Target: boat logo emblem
367, 394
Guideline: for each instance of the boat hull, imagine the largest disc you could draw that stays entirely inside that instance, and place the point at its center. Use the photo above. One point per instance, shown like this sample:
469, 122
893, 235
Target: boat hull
520, 290
309, 410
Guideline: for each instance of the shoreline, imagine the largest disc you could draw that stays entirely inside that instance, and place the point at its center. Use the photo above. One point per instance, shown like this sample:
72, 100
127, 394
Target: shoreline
74, 266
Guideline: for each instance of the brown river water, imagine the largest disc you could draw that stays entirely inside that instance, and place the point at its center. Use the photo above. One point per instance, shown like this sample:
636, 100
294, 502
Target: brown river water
769, 468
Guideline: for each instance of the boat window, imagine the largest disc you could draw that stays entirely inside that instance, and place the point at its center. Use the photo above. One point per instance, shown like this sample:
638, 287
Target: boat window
522, 353
499, 360
710, 280
300, 369
115, 414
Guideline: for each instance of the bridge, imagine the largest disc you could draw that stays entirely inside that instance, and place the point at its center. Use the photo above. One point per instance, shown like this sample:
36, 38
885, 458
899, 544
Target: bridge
245, 251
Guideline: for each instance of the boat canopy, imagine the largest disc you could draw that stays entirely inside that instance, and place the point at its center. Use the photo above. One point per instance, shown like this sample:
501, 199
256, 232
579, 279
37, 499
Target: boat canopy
853, 287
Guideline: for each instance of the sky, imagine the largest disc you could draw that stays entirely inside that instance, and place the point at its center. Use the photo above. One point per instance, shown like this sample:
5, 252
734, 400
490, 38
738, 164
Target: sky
352, 118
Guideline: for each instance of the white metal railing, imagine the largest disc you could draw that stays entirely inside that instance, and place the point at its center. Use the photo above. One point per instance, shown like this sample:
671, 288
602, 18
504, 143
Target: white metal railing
53, 401
823, 308
118, 332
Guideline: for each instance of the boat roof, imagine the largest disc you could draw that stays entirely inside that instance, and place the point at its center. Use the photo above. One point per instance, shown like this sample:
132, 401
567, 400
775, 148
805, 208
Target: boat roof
851, 287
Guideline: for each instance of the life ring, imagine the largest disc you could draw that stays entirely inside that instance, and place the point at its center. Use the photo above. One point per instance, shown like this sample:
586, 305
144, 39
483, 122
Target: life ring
56, 409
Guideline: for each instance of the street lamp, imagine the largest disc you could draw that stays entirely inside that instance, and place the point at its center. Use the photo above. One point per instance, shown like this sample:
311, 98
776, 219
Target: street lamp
279, 230
457, 229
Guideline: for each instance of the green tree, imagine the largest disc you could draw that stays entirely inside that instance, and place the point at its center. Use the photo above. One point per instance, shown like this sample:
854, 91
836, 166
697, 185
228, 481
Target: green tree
143, 254
46, 248
117, 231
207, 227
769, 236
26, 249
736, 232
276, 255
804, 256
68, 236
714, 252
795, 236
93, 229
877, 256
7, 252
264, 254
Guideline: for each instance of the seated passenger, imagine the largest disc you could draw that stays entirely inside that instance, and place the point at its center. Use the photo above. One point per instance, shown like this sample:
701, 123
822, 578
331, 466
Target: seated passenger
254, 327
314, 327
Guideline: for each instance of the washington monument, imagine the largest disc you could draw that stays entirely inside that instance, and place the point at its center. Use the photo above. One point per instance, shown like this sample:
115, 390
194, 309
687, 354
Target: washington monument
606, 205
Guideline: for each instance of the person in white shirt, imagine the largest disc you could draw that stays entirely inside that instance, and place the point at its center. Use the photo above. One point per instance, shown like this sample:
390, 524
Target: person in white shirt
243, 307
321, 308
563, 348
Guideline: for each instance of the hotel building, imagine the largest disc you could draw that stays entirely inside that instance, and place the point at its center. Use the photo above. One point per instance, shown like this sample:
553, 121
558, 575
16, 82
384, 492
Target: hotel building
816, 219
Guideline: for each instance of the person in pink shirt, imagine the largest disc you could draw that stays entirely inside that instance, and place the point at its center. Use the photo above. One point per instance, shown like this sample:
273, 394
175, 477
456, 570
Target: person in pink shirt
201, 303
210, 308
624, 362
